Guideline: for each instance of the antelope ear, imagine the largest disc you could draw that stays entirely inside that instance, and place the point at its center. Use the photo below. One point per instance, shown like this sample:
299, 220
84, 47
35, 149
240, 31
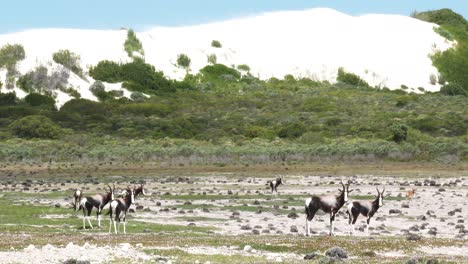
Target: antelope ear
350, 191
340, 190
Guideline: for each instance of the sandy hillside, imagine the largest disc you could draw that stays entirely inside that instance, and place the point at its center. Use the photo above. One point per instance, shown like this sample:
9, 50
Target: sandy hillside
385, 50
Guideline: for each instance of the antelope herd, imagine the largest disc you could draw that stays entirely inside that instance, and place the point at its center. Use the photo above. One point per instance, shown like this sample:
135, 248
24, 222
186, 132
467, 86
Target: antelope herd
331, 204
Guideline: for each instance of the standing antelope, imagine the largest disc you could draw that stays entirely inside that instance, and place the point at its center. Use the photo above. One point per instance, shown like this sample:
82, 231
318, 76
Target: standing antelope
118, 209
410, 193
366, 208
77, 195
140, 189
275, 183
97, 201
329, 204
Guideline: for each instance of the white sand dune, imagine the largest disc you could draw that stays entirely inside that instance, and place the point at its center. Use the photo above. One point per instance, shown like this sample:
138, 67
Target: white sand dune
385, 50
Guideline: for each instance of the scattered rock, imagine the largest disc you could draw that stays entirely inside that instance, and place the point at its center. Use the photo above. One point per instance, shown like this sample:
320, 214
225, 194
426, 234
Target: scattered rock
312, 255
247, 248
413, 237
336, 252
293, 215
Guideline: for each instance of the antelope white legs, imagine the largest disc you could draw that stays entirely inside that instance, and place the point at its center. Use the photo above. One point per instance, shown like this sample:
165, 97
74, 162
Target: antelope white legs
125, 232
110, 225
99, 219
367, 225
308, 227
115, 227
89, 221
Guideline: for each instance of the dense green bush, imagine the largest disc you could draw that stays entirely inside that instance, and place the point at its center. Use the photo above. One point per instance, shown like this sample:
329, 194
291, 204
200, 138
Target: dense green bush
8, 98
292, 130
350, 78
212, 59
10, 55
132, 44
69, 60
399, 132
451, 63
453, 89
183, 61
219, 72
216, 44
107, 71
35, 99
35, 126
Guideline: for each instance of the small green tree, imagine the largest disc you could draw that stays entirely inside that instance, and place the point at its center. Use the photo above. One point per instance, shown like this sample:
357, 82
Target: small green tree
10, 55
183, 61
243, 67
216, 44
133, 44
35, 99
212, 59
399, 132
35, 126
69, 60
350, 78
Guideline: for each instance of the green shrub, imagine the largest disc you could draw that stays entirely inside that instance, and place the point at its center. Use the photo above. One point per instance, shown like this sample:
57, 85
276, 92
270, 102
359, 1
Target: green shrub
99, 90
36, 80
399, 132
10, 55
212, 59
453, 89
183, 61
8, 98
351, 79
216, 44
69, 60
132, 44
292, 130
219, 72
35, 99
138, 97
243, 67
35, 126
444, 33
107, 71
142, 77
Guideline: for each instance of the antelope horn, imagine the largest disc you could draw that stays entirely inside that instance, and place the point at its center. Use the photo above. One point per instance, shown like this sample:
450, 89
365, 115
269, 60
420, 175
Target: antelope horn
383, 189
377, 189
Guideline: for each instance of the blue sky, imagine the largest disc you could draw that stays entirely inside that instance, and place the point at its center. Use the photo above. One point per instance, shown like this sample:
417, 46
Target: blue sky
18, 15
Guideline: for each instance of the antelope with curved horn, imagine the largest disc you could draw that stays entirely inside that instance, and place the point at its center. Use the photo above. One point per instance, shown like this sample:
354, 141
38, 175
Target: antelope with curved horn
97, 201
118, 209
77, 195
329, 204
366, 208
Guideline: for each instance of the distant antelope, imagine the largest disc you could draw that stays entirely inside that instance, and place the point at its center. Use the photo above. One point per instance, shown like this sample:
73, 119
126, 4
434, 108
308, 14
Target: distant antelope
118, 209
366, 208
275, 183
77, 195
410, 193
140, 189
329, 204
97, 201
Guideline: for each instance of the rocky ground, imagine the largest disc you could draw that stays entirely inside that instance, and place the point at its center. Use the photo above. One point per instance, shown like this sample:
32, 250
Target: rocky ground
242, 205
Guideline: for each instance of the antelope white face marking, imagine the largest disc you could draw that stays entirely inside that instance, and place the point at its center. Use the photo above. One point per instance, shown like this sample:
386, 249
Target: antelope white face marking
307, 202
143, 191
78, 193
274, 183
380, 200
132, 197
345, 195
